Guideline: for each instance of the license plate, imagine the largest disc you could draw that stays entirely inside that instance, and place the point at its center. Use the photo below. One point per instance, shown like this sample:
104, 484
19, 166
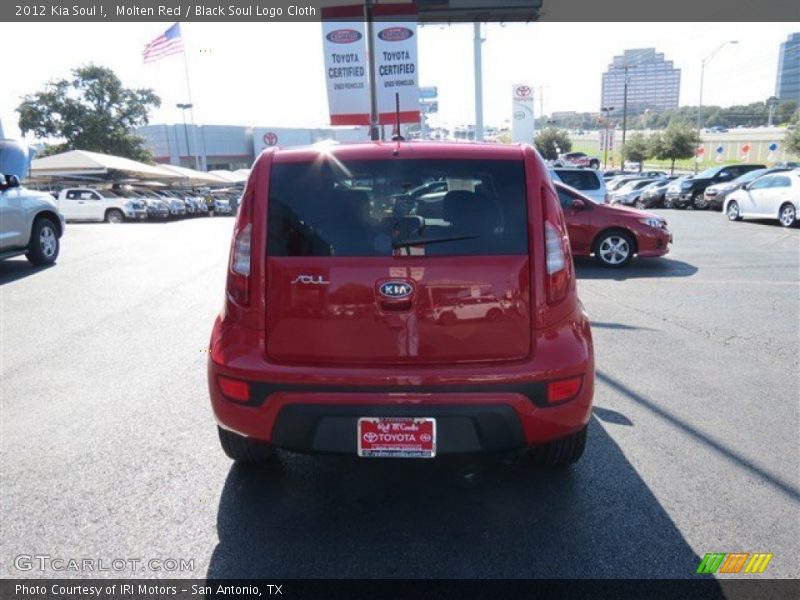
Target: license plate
396, 437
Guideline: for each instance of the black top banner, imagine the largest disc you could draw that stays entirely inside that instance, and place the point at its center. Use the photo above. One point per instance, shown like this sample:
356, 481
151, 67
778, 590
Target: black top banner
428, 10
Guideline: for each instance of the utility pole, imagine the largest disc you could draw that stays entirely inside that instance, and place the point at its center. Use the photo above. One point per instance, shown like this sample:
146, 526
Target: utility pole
607, 110
703, 64
374, 126
184, 108
477, 43
624, 115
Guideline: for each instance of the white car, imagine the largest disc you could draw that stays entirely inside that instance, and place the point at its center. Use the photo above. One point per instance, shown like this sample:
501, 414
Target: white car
630, 192
775, 196
587, 181
84, 204
30, 223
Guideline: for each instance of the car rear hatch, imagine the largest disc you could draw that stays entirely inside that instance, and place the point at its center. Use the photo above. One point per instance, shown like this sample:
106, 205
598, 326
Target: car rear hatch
361, 272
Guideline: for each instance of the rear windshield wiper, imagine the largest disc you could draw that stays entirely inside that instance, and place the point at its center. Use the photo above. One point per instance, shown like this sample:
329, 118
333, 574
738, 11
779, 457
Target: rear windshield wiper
421, 241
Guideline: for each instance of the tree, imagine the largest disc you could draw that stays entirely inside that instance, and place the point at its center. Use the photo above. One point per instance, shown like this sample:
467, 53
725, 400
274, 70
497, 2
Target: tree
785, 111
678, 141
636, 149
551, 142
792, 140
91, 111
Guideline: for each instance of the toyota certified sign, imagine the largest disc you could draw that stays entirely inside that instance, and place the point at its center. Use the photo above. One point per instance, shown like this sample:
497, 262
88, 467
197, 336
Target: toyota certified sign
343, 36
270, 138
395, 34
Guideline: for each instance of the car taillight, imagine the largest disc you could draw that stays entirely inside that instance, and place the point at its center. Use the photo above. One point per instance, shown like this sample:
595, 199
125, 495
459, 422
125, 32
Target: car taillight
238, 286
563, 389
558, 263
233, 389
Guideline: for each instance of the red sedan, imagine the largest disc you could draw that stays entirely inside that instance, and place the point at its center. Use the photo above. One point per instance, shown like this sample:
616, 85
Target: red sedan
613, 233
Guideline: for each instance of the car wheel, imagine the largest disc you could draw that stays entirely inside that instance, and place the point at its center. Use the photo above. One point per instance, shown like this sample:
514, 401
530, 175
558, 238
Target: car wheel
614, 249
561, 453
787, 215
640, 204
44, 245
448, 318
494, 315
699, 201
242, 449
733, 211
594, 164
114, 216
667, 203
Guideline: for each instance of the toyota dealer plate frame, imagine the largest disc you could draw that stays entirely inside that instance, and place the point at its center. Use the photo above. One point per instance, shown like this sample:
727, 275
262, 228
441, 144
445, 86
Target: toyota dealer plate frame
396, 437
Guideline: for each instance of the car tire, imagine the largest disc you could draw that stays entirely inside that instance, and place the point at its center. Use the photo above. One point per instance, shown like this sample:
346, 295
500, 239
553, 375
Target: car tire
733, 211
561, 453
44, 245
787, 215
242, 449
494, 315
699, 201
614, 249
594, 164
640, 204
448, 318
114, 215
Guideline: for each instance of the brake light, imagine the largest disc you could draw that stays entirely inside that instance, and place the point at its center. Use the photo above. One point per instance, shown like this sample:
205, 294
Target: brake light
233, 389
558, 259
563, 389
238, 286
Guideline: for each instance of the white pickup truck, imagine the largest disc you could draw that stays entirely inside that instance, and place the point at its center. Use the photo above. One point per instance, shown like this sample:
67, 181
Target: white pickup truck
30, 223
84, 204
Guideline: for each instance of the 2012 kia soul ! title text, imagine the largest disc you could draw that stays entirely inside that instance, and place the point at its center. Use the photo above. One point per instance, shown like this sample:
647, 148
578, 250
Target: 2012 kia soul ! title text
401, 300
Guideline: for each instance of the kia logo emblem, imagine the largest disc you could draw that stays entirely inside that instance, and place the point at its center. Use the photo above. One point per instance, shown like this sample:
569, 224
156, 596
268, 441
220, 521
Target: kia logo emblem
523, 90
395, 34
343, 36
396, 290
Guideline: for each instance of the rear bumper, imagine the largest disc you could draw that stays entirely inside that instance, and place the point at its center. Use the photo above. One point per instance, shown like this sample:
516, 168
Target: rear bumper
477, 408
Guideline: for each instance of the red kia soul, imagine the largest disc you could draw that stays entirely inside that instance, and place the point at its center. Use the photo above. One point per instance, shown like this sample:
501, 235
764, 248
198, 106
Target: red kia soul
401, 300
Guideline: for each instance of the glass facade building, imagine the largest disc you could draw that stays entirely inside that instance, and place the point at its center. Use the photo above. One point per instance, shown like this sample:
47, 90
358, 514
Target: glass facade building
787, 85
653, 82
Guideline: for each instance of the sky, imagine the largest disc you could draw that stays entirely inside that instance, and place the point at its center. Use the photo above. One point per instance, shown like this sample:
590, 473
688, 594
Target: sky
271, 74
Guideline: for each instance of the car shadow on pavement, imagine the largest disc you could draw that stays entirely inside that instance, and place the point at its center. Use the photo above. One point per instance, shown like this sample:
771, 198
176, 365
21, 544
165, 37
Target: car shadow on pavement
587, 268
469, 517
12, 270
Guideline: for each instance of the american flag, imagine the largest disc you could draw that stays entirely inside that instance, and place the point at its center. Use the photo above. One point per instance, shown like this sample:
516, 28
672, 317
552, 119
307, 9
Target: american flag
166, 44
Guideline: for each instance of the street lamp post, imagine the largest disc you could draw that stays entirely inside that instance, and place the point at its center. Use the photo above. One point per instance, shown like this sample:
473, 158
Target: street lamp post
607, 110
184, 108
703, 64
624, 114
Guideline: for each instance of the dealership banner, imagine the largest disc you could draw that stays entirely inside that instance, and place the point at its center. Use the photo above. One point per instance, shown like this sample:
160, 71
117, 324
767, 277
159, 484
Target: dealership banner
347, 63
522, 129
396, 65
344, 43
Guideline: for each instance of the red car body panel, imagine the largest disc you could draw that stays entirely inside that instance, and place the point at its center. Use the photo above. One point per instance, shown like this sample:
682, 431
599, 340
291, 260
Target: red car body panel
587, 223
337, 344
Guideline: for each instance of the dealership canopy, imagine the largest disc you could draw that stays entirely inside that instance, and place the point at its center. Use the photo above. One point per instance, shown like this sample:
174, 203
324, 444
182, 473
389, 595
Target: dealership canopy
93, 165
193, 177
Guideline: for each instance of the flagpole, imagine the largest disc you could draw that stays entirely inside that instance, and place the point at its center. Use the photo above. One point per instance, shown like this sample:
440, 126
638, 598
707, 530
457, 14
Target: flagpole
191, 104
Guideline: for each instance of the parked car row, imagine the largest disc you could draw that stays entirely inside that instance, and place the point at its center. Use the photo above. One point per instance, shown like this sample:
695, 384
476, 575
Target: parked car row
116, 204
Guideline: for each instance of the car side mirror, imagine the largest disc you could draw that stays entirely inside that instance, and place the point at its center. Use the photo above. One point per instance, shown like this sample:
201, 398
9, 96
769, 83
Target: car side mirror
746, 186
578, 204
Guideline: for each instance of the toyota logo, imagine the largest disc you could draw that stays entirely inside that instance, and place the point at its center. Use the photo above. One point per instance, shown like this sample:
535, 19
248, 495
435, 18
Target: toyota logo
523, 90
371, 437
343, 36
270, 139
396, 290
395, 34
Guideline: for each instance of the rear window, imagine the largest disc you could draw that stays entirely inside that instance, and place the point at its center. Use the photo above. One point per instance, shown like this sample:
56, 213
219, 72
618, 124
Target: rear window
397, 207
580, 180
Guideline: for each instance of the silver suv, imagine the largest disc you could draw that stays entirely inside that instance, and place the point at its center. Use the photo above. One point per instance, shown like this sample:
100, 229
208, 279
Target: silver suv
30, 223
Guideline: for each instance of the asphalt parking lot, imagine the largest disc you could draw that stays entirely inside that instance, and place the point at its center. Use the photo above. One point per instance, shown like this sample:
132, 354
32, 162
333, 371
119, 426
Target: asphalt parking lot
109, 448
